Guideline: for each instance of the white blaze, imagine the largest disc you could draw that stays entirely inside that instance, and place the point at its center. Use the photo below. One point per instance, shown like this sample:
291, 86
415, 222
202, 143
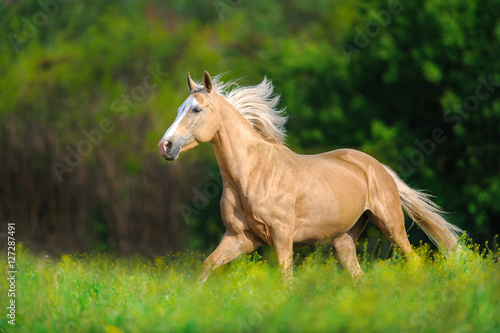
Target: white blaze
188, 104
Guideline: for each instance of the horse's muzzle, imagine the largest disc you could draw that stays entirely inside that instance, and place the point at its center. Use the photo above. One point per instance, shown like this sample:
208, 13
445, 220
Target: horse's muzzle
166, 152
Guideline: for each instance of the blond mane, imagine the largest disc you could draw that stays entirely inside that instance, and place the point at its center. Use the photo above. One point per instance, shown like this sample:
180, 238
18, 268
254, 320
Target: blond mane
257, 104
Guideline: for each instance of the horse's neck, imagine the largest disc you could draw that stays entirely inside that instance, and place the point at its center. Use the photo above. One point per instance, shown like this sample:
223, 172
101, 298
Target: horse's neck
238, 147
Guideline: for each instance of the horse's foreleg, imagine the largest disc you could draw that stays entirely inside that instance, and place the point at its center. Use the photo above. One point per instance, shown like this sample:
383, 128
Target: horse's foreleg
230, 247
283, 244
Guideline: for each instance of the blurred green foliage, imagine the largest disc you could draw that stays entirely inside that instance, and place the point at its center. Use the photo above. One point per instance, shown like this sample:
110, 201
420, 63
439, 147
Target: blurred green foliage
378, 76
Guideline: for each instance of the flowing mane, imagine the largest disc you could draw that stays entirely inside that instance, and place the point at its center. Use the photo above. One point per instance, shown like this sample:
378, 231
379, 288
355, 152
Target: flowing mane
257, 104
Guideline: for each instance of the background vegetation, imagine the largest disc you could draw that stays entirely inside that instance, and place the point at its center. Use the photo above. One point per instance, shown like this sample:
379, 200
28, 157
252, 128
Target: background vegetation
414, 83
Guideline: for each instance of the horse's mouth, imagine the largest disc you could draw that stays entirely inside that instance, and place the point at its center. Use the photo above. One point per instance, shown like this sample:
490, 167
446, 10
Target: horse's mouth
169, 158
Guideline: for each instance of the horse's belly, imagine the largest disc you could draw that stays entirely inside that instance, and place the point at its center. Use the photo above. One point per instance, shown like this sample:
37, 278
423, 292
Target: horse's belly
328, 215
312, 232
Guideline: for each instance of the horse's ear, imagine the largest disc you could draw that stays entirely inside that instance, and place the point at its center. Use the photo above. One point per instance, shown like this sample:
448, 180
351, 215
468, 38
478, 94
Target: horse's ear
190, 82
207, 81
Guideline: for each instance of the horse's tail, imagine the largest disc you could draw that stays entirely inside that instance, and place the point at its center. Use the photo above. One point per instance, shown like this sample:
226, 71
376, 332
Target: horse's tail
428, 215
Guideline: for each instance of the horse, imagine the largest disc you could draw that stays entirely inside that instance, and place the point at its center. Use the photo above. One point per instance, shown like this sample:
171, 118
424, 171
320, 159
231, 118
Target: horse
275, 197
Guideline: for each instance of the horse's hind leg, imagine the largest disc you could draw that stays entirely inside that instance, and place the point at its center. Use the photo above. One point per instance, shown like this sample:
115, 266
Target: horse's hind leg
389, 218
345, 248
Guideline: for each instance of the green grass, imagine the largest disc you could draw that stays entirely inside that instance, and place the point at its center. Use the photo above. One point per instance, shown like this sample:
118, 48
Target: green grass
104, 293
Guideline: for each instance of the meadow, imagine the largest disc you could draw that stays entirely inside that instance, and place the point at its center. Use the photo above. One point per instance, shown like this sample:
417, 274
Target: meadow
106, 293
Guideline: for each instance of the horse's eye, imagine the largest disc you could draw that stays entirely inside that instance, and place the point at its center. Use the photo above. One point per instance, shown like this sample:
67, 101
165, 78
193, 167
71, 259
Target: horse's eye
196, 110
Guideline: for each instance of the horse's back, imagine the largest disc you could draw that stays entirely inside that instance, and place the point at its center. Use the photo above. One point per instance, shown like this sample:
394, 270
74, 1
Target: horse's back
373, 170
377, 178
354, 175
352, 156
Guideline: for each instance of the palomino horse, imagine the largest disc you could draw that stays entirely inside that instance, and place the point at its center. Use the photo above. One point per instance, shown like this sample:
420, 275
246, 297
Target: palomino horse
273, 196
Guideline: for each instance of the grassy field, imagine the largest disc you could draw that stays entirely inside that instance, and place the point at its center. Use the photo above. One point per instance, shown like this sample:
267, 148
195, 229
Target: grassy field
103, 293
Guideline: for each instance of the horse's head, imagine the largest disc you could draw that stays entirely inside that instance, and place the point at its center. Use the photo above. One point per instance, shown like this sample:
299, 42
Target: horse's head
197, 121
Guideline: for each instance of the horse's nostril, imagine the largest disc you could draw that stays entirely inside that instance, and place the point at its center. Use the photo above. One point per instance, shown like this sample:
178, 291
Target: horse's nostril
164, 146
